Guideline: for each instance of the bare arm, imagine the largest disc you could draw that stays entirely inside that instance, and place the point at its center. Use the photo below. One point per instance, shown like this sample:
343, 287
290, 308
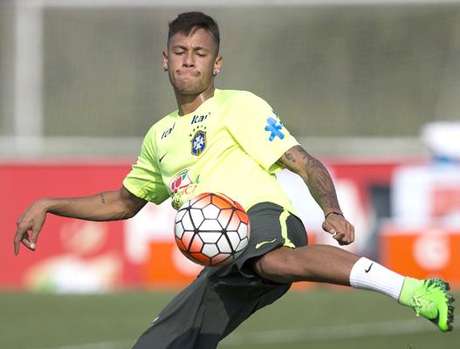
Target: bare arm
105, 206
315, 176
319, 182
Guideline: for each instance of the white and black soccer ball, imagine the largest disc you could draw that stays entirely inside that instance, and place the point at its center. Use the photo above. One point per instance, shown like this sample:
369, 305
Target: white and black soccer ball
212, 229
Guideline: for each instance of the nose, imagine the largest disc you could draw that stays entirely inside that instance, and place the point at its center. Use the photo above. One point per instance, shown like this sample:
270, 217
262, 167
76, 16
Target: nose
189, 60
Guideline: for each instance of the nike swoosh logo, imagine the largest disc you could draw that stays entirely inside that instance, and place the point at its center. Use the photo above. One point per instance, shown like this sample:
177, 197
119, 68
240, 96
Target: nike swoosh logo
162, 157
260, 244
368, 269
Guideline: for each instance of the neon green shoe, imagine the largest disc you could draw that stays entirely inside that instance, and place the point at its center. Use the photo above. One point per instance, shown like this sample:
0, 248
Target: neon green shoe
429, 298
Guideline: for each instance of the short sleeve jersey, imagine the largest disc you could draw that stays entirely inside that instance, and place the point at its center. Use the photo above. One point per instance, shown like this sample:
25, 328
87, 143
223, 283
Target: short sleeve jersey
230, 144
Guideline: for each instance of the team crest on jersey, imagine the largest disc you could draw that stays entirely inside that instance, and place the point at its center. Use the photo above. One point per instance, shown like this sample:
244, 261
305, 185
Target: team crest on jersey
274, 126
198, 140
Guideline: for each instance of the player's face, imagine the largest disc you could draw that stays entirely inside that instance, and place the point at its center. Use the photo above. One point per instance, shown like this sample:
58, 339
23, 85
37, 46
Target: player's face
192, 61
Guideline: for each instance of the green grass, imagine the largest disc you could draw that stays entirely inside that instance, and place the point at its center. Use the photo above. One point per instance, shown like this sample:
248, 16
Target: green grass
320, 319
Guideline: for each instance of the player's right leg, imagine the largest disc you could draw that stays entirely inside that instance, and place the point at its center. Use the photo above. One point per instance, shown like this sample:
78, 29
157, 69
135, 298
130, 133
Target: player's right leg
321, 263
430, 299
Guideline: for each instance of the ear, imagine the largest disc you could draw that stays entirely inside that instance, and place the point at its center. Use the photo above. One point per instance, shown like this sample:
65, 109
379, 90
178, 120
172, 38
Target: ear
165, 60
218, 65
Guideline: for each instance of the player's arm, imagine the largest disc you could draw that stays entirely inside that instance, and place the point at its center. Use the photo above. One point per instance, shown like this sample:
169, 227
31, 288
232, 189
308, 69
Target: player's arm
105, 206
319, 182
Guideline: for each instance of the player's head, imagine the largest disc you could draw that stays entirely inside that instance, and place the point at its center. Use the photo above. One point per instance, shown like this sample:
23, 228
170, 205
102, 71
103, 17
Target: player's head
192, 56
188, 22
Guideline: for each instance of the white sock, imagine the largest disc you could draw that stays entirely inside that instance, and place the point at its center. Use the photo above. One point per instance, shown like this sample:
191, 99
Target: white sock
370, 275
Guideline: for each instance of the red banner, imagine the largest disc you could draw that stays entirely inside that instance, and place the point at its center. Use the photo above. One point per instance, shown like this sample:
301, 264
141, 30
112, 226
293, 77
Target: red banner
80, 256
83, 256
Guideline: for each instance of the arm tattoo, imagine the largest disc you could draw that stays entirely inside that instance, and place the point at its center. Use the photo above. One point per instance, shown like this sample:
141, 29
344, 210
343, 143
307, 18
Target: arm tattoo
102, 198
289, 156
315, 176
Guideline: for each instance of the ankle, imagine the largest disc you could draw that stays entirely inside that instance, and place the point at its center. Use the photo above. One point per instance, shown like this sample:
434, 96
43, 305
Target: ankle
408, 289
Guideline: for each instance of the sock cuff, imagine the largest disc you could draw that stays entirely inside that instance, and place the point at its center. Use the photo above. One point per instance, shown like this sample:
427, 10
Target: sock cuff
370, 275
357, 270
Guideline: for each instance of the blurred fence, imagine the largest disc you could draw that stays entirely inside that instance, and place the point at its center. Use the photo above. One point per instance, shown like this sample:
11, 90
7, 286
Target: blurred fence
362, 70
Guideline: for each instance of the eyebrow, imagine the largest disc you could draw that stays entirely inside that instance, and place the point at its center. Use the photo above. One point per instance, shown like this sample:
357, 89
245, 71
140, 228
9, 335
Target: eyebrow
196, 48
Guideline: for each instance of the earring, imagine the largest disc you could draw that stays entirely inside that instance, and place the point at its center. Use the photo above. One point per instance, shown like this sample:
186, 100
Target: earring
165, 68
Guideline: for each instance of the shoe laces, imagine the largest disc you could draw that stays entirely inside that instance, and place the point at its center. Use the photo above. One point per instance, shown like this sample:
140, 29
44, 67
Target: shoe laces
422, 300
421, 303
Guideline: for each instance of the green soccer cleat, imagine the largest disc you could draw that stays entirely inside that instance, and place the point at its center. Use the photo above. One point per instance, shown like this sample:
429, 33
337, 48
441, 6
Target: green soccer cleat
429, 298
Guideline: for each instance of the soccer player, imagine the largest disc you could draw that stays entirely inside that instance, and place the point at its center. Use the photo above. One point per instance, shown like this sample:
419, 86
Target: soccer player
231, 142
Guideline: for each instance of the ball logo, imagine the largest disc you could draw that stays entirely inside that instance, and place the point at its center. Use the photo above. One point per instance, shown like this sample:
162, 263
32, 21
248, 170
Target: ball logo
198, 142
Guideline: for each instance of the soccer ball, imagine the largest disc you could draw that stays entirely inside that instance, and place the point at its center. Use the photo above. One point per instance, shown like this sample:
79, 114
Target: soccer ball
211, 229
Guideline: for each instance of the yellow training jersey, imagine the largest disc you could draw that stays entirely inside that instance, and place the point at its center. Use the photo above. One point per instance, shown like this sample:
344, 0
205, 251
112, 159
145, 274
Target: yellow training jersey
230, 144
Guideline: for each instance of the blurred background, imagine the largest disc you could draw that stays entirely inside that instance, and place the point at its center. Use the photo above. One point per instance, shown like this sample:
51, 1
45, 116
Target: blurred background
371, 87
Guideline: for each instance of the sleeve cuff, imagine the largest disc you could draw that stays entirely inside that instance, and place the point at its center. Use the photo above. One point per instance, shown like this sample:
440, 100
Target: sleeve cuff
275, 155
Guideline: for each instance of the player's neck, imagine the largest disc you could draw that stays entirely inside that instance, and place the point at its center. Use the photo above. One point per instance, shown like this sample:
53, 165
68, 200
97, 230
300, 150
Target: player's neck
189, 103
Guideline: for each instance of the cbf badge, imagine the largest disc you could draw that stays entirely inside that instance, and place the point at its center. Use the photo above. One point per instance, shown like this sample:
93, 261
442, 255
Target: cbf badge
198, 142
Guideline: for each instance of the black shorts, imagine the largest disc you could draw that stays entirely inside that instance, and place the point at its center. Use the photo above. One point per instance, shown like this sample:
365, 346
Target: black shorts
221, 298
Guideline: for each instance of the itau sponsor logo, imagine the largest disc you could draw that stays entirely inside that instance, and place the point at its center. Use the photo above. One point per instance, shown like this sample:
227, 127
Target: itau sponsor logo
167, 132
199, 118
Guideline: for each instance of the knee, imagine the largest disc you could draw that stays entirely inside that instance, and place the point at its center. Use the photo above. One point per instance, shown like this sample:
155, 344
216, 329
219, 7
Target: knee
280, 265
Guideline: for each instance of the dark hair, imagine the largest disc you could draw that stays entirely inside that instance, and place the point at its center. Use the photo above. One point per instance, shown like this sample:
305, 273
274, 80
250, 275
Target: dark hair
190, 21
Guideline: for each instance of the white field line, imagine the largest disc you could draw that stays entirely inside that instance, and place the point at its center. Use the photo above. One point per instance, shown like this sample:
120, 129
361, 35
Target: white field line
98, 345
316, 333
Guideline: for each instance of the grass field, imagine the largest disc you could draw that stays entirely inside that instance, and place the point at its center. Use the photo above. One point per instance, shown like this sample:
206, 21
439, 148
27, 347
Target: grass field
319, 319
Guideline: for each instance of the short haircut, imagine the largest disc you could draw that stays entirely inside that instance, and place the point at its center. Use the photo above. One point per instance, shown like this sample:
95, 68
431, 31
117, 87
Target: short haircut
190, 21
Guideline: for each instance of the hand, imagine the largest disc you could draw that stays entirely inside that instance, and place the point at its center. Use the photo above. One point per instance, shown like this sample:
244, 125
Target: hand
340, 229
29, 226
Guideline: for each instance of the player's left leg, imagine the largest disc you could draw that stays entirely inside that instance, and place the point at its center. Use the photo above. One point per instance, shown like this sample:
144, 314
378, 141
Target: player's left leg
322, 263
223, 297
208, 310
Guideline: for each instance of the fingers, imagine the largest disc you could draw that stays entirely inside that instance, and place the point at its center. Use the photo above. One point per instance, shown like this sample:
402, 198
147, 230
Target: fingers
34, 236
22, 236
29, 244
29, 226
348, 236
17, 240
328, 228
341, 230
